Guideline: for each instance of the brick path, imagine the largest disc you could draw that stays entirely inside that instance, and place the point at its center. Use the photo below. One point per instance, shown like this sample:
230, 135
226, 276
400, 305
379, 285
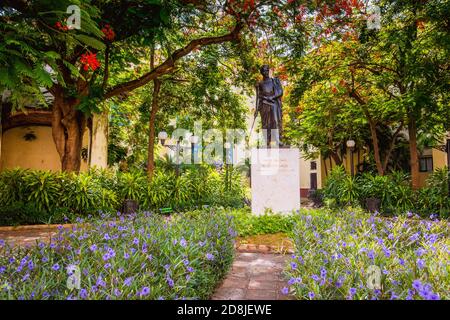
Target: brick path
24, 237
254, 276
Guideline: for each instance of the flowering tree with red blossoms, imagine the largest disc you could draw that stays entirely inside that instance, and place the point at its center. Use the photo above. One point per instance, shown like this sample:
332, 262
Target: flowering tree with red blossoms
76, 66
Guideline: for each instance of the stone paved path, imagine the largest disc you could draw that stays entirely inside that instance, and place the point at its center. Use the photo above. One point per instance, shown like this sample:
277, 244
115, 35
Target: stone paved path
254, 276
27, 236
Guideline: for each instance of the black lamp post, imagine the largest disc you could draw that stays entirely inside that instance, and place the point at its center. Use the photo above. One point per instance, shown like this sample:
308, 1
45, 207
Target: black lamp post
194, 140
162, 136
351, 146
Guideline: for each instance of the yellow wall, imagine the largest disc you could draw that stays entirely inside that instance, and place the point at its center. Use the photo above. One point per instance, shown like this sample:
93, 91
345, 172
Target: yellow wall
326, 168
39, 153
305, 171
99, 150
439, 161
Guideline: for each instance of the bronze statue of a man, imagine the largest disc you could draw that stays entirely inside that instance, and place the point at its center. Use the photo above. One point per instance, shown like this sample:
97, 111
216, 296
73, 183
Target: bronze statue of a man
268, 103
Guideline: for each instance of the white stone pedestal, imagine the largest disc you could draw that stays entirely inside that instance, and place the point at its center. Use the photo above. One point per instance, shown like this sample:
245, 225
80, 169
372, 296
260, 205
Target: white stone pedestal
275, 180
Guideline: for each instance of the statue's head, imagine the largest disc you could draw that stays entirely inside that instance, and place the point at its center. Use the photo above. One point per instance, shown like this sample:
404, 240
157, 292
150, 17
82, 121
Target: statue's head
265, 70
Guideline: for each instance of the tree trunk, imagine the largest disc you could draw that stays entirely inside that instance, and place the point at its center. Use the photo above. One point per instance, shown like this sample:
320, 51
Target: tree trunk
376, 147
414, 157
336, 158
151, 126
68, 125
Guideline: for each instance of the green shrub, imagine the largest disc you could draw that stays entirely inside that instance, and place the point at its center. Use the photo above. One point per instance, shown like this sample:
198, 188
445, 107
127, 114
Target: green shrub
248, 224
159, 192
132, 185
393, 190
434, 199
343, 188
55, 193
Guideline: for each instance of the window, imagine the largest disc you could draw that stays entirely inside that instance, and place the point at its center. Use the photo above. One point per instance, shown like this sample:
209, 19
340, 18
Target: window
313, 165
426, 164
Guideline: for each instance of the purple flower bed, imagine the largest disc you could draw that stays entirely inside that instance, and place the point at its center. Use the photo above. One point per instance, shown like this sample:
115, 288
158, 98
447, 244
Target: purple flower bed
125, 257
354, 255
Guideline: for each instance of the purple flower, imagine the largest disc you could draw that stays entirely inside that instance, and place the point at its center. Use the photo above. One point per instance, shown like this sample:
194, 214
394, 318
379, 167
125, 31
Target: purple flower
128, 281
420, 252
311, 295
352, 291
126, 256
55, 267
285, 290
135, 241
209, 256
121, 270
414, 237
416, 284
170, 282
291, 281
107, 266
117, 292
394, 296
315, 277
420, 263
145, 291
93, 247
106, 237
293, 265
83, 294
433, 296
183, 242
190, 269
100, 282
371, 254
188, 277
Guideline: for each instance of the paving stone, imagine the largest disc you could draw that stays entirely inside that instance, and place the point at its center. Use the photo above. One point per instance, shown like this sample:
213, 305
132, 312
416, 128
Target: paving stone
254, 276
261, 295
268, 284
235, 282
229, 294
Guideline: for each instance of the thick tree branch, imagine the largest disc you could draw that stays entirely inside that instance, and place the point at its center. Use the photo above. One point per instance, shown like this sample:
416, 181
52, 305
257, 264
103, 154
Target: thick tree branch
169, 63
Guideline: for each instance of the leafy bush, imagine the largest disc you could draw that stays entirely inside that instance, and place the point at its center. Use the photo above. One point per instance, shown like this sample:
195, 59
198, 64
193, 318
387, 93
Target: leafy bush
336, 249
344, 189
394, 192
129, 257
55, 193
434, 198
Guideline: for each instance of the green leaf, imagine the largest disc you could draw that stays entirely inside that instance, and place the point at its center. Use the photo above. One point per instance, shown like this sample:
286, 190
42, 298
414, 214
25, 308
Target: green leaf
42, 77
91, 42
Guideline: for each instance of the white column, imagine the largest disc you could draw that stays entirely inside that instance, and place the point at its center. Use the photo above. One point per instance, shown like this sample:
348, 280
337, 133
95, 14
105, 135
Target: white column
99, 148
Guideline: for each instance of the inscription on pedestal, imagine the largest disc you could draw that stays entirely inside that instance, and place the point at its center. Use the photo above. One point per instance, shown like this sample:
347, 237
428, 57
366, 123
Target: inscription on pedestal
275, 180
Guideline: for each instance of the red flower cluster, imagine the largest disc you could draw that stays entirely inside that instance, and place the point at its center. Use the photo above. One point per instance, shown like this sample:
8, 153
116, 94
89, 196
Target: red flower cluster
108, 32
60, 26
236, 7
89, 60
